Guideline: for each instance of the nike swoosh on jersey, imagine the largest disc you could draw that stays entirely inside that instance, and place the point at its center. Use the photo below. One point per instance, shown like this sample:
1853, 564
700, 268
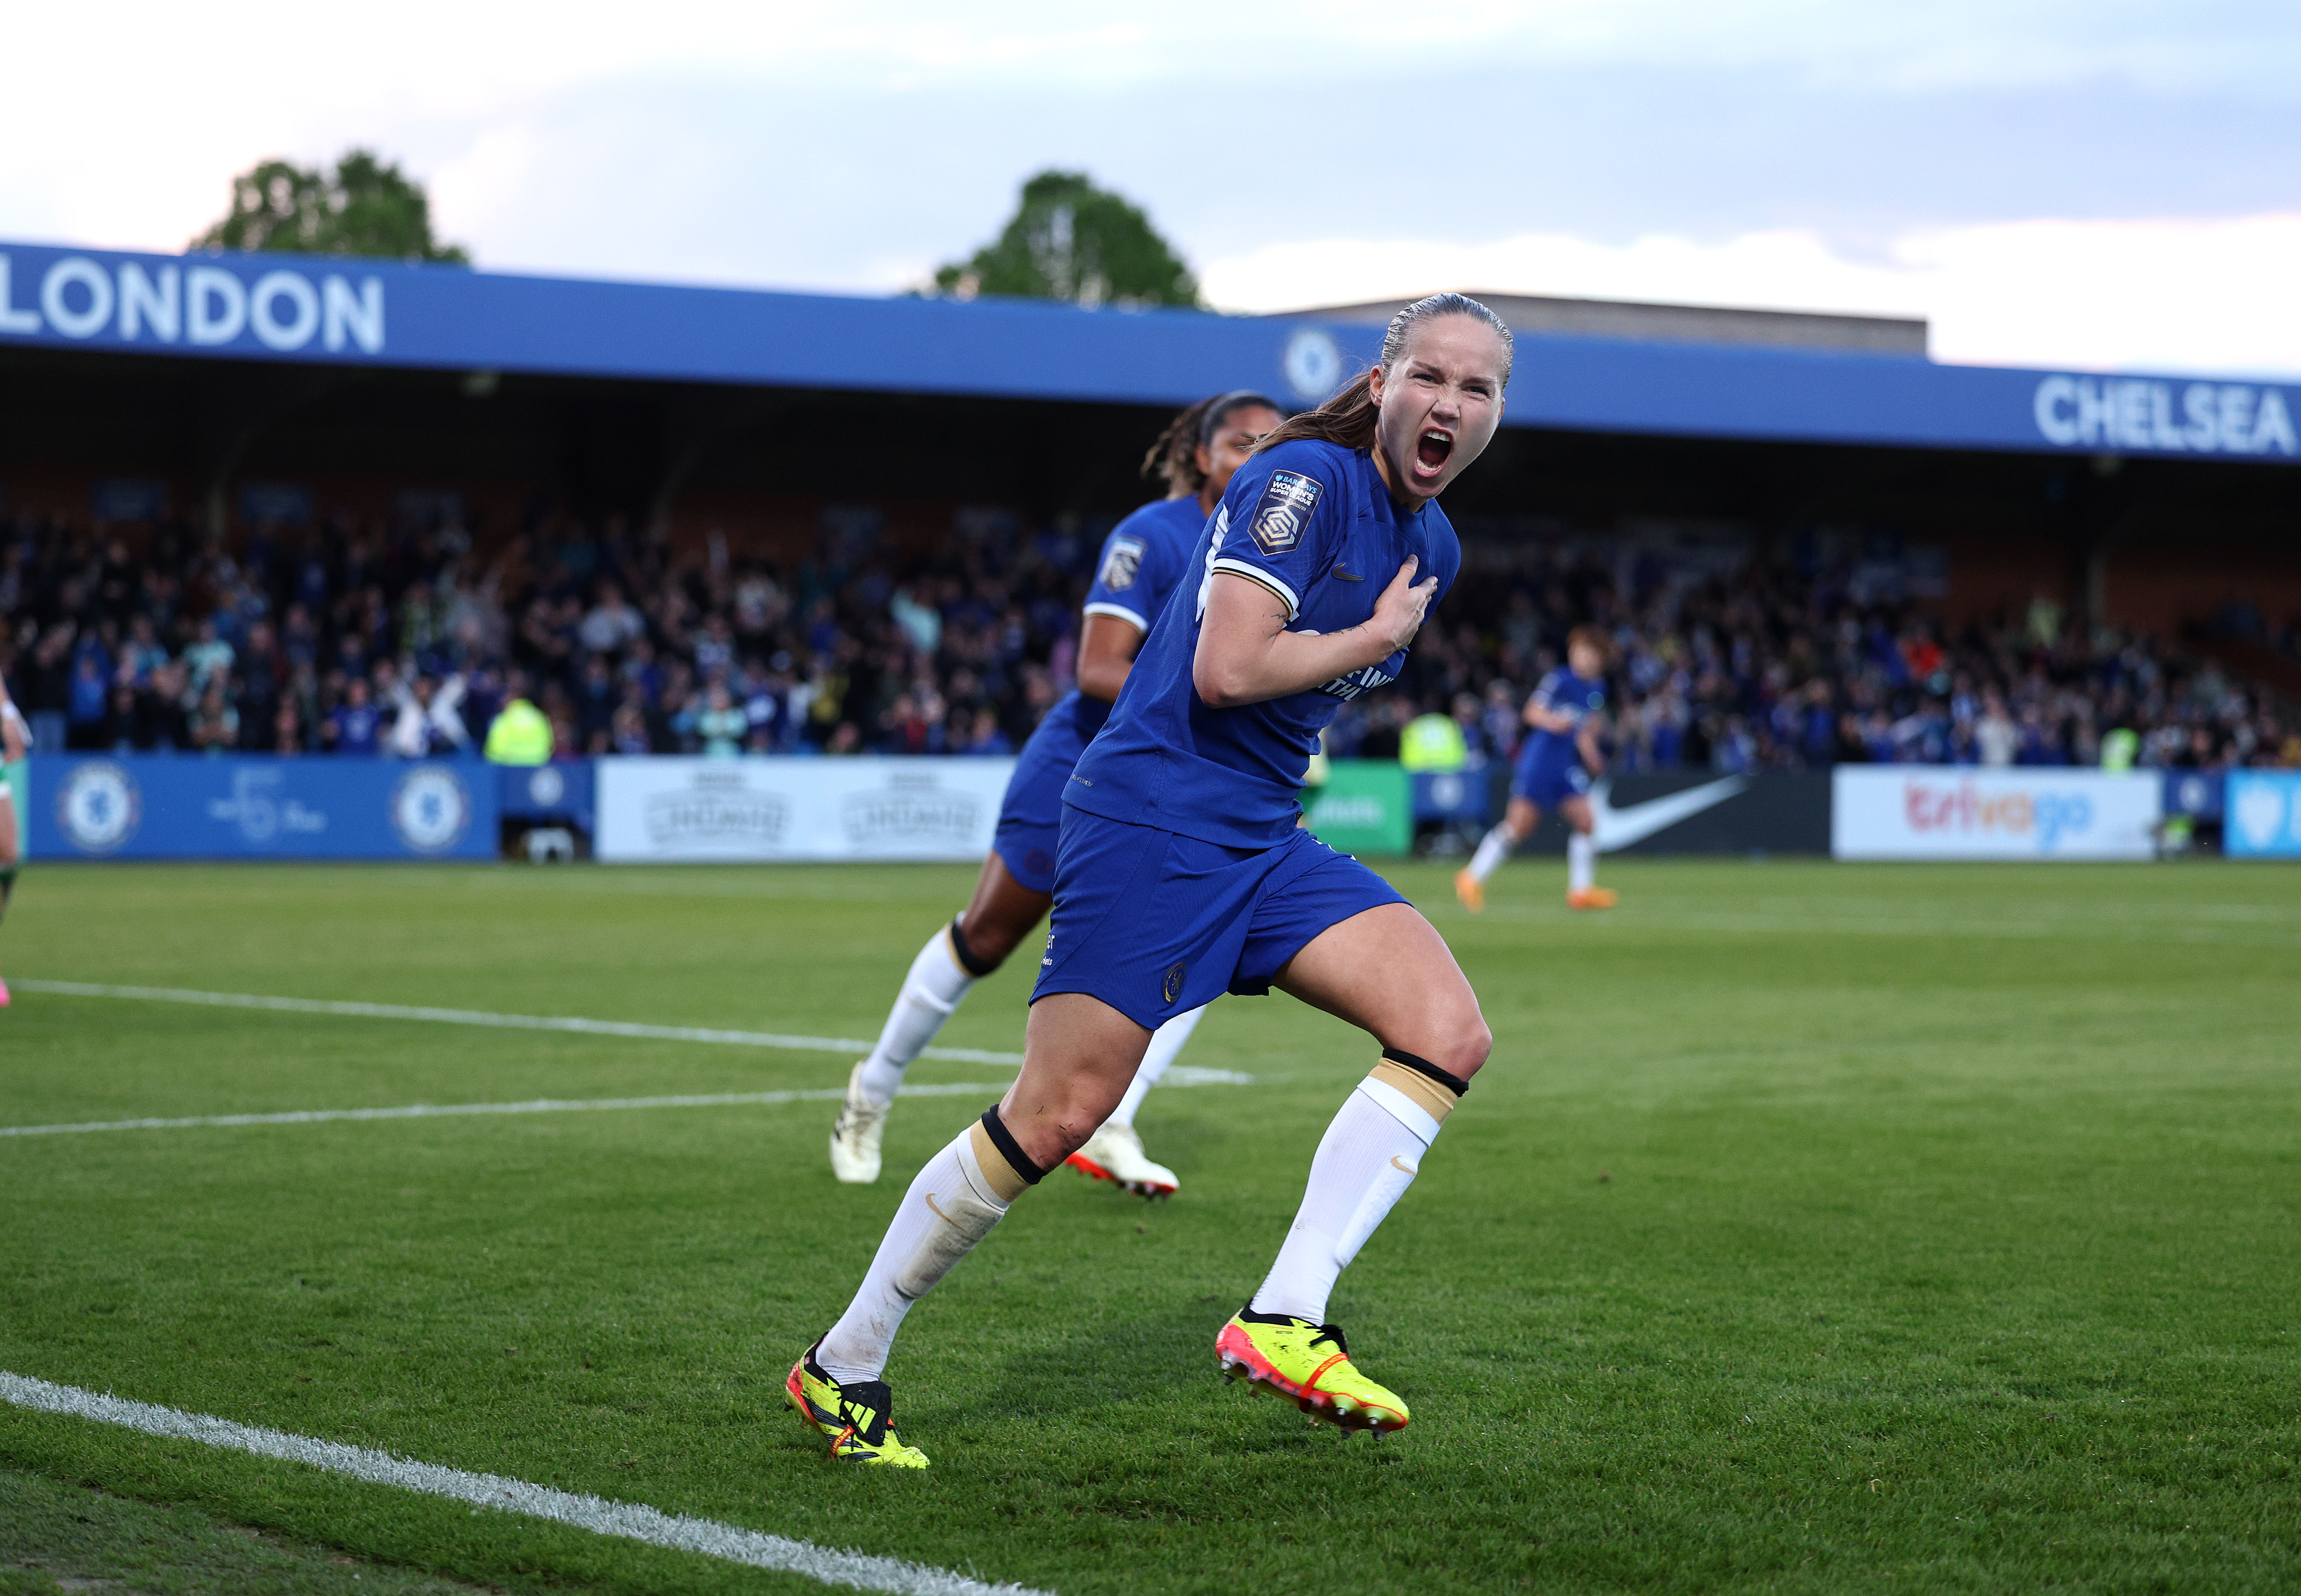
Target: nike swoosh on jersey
1619, 828
1348, 576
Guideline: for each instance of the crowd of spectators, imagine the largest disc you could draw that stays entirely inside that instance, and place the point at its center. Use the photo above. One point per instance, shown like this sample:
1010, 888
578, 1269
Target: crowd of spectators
1806, 659
404, 637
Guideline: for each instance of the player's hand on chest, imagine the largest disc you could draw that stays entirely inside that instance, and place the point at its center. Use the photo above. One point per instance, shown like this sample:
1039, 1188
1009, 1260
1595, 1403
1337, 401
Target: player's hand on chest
1347, 590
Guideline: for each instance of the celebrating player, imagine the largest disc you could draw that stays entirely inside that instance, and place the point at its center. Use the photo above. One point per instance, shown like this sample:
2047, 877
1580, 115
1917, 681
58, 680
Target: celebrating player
1567, 712
11, 804
1144, 559
1183, 875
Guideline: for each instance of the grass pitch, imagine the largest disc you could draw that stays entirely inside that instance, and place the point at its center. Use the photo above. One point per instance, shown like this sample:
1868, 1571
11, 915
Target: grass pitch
1814, 1228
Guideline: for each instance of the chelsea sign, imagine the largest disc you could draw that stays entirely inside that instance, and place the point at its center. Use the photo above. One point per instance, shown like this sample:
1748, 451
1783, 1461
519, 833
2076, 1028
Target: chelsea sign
2144, 412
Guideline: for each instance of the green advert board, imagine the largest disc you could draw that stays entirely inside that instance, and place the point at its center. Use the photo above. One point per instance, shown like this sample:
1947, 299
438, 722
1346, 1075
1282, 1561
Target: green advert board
1366, 806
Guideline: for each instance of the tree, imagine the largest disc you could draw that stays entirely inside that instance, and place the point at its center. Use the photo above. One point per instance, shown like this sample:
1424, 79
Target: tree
367, 206
1072, 240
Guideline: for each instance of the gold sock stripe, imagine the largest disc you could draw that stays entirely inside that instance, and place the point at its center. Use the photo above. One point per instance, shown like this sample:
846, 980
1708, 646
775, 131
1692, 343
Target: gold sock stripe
993, 1163
1433, 1099
950, 946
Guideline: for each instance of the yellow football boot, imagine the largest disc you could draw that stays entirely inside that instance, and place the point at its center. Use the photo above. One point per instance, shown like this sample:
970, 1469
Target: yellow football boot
1309, 1366
1470, 890
857, 1418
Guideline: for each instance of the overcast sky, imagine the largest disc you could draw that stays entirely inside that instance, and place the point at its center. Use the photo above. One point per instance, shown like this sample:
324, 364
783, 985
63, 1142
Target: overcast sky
2107, 183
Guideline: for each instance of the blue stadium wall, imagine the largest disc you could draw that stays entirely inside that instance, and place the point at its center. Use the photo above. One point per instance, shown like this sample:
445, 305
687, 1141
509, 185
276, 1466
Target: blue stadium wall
312, 311
685, 810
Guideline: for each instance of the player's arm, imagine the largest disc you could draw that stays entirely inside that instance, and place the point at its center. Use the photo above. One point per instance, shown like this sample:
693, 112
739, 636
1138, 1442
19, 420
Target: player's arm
1543, 715
1585, 740
1106, 650
1120, 605
1246, 656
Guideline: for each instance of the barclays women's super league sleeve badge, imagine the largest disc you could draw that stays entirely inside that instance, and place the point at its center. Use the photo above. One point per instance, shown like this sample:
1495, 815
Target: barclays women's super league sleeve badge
1284, 511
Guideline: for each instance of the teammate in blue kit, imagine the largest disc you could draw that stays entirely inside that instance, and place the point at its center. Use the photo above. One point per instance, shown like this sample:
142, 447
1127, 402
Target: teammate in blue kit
1147, 556
1183, 875
1567, 712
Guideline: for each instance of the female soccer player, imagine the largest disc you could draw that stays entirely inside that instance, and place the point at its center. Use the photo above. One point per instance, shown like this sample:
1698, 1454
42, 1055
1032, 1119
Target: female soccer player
13, 742
1567, 711
1183, 875
1144, 559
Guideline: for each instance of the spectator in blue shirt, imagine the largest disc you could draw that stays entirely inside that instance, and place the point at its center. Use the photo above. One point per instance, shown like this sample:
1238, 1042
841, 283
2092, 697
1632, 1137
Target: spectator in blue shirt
355, 725
989, 738
87, 708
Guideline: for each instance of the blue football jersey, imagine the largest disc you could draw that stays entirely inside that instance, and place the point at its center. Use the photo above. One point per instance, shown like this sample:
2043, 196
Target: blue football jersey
1144, 559
1563, 692
1313, 524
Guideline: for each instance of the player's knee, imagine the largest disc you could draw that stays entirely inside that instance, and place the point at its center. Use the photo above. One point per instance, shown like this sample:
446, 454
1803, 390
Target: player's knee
1457, 1042
981, 945
1469, 1041
1063, 1122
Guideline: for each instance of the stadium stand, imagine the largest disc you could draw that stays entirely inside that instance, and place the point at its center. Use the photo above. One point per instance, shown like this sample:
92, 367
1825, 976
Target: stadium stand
404, 635
351, 508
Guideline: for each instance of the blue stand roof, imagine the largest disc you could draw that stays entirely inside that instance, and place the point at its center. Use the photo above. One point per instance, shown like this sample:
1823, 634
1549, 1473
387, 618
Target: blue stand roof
327, 310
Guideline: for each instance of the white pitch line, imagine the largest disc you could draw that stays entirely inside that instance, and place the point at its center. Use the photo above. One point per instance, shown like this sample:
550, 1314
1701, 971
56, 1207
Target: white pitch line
626, 1521
1179, 1075
507, 1021
311, 1116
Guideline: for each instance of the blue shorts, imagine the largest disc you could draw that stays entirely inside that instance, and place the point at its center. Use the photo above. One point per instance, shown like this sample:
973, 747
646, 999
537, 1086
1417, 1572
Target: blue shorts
1546, 779
1156, 923
1031, 815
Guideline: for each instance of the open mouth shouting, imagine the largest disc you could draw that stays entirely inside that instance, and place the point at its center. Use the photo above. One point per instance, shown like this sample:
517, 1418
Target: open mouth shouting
1432, 450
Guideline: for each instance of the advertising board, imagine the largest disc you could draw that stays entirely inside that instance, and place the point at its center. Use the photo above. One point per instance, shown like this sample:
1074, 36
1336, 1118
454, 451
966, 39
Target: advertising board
559, 793
1953, 812
2263, 815
157, 806
1366, 806
1696, 812
658, 810
2195, 793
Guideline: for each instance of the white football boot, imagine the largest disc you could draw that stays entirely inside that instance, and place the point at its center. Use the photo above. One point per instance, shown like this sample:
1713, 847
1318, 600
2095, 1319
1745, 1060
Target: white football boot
854, 1138
1114, 1153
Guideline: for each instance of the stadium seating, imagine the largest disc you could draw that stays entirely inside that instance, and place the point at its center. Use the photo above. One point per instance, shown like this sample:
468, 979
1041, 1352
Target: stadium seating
166, 638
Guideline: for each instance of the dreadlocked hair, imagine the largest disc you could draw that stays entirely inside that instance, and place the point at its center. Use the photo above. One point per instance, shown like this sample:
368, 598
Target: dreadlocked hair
1173, 459
1348, 419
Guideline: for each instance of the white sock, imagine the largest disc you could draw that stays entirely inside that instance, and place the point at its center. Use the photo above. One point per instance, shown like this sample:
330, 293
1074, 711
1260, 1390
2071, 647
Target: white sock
1369, 1156
1165, 1043
951, 1206
1581, 861
1493, 849
930, 994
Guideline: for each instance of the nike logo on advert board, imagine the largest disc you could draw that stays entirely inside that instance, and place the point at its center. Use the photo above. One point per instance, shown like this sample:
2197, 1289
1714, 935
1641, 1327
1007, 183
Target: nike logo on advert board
1619, 828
